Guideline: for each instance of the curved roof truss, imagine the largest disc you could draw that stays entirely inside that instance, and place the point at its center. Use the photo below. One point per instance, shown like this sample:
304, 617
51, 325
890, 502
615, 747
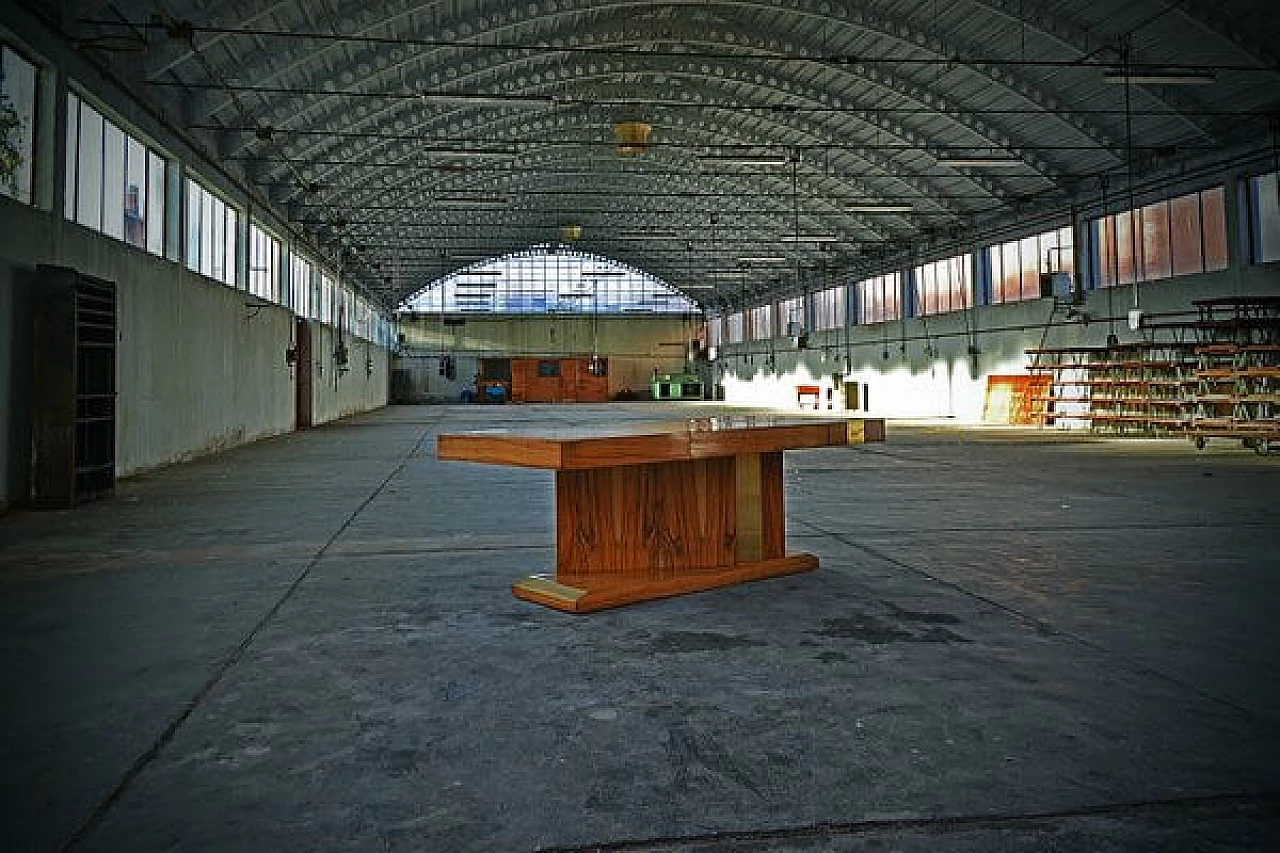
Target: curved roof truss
413, 135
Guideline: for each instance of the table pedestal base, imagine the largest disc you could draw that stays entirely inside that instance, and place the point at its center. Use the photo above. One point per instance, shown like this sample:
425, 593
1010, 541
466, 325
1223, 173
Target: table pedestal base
586, 594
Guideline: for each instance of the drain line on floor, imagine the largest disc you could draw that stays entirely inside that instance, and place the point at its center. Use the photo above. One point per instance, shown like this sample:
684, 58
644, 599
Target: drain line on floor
166, 736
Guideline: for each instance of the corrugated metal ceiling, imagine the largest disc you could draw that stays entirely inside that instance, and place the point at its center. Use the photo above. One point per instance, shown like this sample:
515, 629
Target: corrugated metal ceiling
362, 121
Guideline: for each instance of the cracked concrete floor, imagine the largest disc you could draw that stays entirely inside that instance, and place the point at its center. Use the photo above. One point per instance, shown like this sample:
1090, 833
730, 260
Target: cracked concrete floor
1016, 641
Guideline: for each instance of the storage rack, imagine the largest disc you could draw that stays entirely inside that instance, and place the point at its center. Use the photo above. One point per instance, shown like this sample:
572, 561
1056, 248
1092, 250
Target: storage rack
74, 400
1126, 389
1237, 389
1216, 376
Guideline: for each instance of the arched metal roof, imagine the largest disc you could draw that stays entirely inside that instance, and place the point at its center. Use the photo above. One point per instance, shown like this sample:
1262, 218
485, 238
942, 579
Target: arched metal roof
419, 136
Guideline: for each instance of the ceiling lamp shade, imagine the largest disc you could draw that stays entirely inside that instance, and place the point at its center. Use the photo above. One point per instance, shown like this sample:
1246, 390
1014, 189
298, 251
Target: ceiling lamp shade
632, 137
570, 232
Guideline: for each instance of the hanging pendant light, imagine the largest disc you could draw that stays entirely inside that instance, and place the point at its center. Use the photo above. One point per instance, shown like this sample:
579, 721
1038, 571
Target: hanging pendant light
632, 137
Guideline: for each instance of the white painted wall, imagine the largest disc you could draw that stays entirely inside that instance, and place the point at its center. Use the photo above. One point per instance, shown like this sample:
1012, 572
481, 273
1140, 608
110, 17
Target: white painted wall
338, 393
635, 345
905, 381
198, 370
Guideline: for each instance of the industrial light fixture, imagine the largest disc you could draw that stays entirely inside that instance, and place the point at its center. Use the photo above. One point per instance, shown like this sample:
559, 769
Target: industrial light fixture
485, 98
698, 287
810, 238
570, 232
745, 160
1160, 77
879, 208
978, 160
649, 235
763, 259
471, 152
632, 137
472, 200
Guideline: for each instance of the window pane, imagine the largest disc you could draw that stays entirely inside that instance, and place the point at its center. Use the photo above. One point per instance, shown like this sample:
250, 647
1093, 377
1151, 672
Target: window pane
193, 226
276, 260
1214, 225
73, 155
206, 232
19, 86
1104, 233
229, 246
1265, 192
1185, 226
961, 281
1065, 258
135, 194
218, 240
1010, 288
89, 188
155, 203
1155, 241
1125, 253
1031, 261
112, 181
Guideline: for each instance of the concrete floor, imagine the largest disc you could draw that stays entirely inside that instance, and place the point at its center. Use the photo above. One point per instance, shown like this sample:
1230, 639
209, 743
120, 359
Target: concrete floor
1016, 641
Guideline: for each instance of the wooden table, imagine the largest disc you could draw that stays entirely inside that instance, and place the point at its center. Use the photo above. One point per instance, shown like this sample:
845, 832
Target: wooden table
650, 510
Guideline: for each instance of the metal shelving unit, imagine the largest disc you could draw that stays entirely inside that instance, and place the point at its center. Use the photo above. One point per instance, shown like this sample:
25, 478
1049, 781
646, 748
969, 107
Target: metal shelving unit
74, 415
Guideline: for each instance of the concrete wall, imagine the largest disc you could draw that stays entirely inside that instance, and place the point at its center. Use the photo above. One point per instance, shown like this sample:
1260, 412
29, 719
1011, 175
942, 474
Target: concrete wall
923, 368
635, 345
198, 370
361, 386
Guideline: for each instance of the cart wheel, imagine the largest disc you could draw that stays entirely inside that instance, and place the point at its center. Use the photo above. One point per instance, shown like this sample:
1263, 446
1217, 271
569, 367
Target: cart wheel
1199, 442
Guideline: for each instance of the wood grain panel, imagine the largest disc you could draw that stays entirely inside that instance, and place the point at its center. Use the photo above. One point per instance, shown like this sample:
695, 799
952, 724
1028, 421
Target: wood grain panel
864, 430
575, 384
638, 520
773, 512
600, 594
749, 530
499, 449
759, 440
625, 450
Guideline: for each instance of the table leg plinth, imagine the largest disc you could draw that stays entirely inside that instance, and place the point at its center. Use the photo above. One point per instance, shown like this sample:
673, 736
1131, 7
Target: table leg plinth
630, 533
589, 593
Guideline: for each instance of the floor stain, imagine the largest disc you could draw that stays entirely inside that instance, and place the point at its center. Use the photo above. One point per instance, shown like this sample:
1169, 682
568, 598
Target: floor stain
877, 631
685, 642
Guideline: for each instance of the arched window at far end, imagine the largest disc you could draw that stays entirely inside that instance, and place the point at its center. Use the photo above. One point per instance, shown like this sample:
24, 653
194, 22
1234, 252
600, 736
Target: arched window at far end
547, 280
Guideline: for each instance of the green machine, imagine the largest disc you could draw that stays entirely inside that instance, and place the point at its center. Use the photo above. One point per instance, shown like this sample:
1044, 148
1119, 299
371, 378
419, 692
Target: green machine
676, 386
